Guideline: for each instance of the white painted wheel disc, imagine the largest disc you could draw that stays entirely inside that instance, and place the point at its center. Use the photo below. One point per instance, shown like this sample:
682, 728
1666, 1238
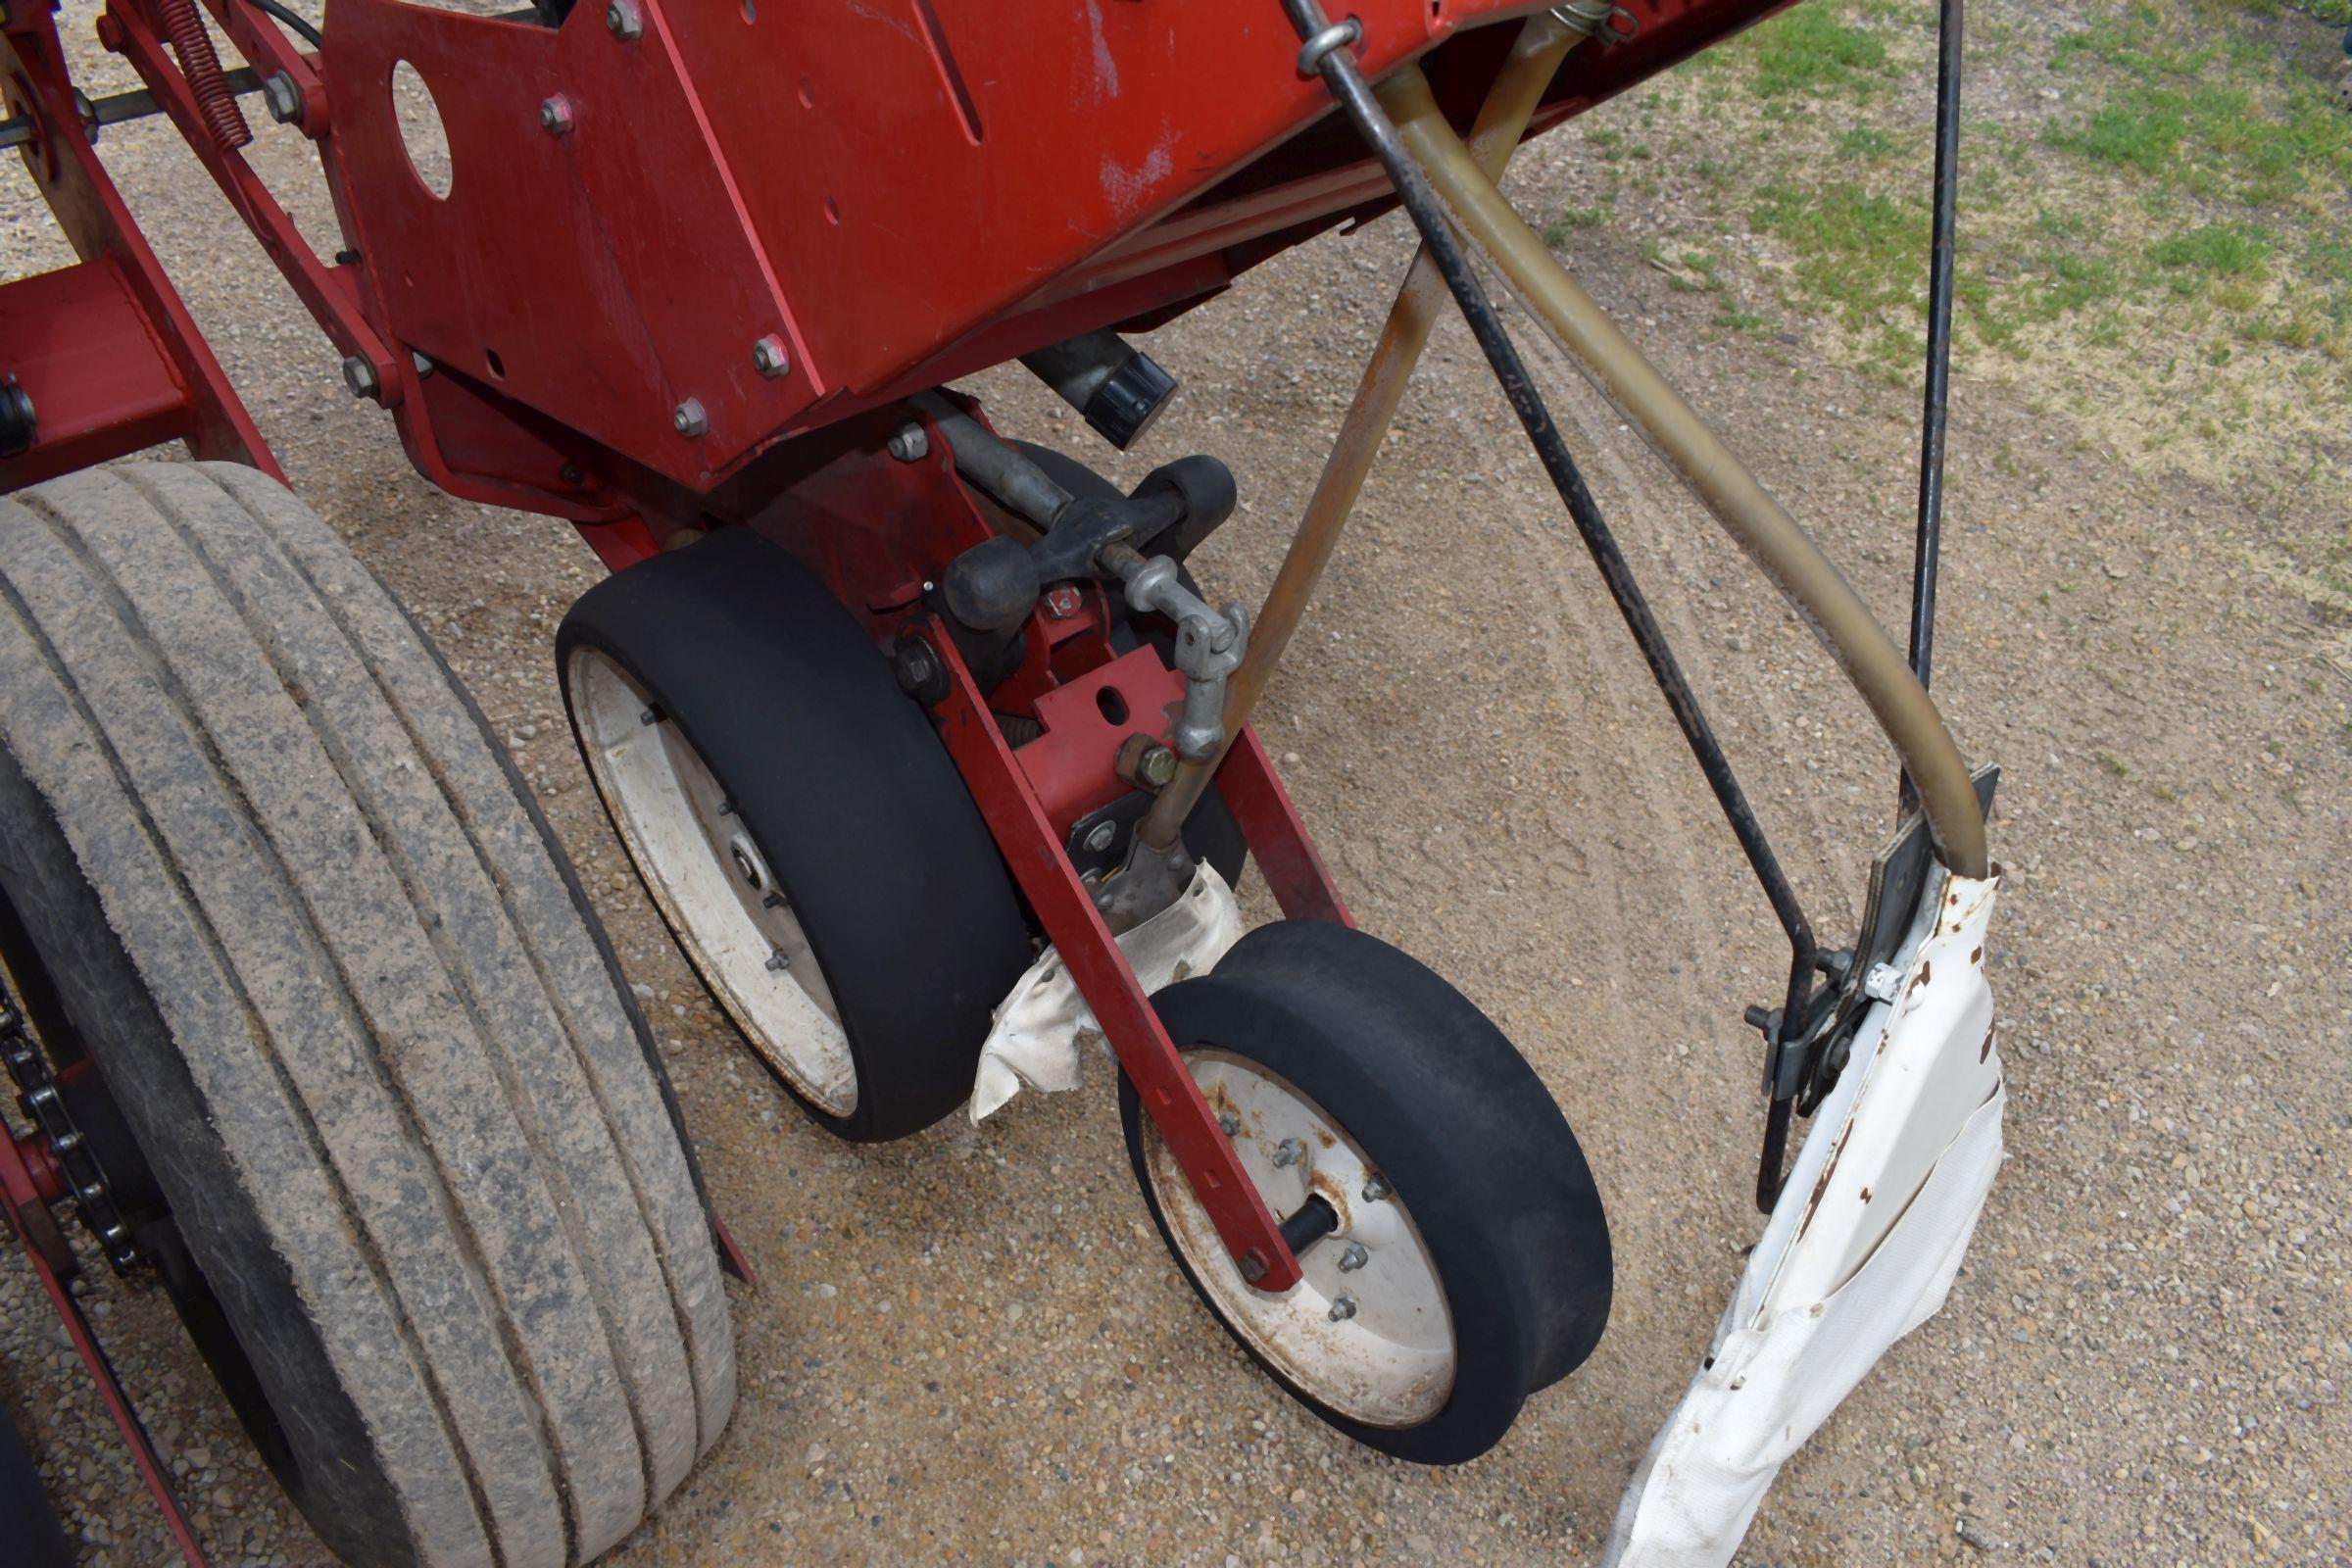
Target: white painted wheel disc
1391, 1363
711, 884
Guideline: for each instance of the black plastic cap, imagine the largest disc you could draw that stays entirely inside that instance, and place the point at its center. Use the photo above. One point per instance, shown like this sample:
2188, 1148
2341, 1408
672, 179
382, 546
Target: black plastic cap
1129, 399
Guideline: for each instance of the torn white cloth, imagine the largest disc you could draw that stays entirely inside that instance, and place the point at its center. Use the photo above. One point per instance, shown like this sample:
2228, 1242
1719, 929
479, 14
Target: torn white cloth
1861, 1249
1042, 1021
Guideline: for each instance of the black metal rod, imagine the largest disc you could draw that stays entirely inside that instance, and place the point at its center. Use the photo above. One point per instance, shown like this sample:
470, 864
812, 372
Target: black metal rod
1336, 67
1315, 1219
1929, 546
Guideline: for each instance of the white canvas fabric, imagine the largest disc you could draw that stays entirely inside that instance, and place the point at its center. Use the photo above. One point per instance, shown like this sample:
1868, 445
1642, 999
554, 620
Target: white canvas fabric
1861, 1249
1042, 1021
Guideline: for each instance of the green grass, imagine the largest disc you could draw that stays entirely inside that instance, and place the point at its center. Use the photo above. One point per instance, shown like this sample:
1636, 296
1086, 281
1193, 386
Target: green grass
1809, 51
2156, 206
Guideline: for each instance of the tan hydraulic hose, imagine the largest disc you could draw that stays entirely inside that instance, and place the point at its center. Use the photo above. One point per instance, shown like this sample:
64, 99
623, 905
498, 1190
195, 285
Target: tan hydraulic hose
1693, 448
1533, 60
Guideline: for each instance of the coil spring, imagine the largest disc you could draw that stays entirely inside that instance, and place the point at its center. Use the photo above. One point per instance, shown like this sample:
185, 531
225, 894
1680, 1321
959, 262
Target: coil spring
183, 24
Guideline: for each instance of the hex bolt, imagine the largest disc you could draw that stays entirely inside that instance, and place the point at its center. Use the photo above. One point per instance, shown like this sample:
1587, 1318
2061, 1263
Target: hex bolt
1228, 1123
1341, 1309
910, 443
689, 420
623, 20
650, 717
777, 962
771, 357
1102, 836
555, 114
1353, 1256
284, 98
359, 375
1377, 1189
1290, 1152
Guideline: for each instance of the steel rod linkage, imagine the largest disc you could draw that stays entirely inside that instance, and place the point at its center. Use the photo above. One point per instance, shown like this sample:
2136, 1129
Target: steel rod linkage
1346, 85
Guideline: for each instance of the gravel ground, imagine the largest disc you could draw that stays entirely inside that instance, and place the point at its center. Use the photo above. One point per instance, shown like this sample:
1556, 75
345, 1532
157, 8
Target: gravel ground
968, 1346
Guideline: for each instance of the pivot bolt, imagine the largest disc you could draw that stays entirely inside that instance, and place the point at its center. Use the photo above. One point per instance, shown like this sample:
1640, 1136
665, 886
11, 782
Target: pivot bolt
689, 420
910, 443
1228, 1123
1353, 1256
1341, 1309
769, 358
284, 98
1290, 1152
1377, 1189
359, 375
624, 20
555, 114
1101, 837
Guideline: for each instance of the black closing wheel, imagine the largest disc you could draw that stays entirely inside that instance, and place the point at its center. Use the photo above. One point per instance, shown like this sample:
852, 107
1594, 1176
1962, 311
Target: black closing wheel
399, 1143
1464, 1263
800, 826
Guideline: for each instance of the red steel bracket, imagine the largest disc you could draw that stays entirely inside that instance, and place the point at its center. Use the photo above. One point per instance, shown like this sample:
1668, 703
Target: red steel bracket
34, 1227
1248, 1228
106, 350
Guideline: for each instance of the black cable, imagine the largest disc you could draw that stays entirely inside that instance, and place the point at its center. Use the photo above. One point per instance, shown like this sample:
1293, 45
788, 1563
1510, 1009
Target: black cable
1335, 63
294, 20
1929, 546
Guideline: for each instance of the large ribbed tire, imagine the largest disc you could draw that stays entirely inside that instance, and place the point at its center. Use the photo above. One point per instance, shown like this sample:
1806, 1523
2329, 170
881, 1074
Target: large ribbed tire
359, 1020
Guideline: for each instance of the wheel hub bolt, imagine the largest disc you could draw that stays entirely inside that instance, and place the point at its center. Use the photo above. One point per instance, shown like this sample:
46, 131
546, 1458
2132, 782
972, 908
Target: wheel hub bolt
1341, 1309
1290, 1152
1229, 1124
1377, 1189
777, 962
1353, 1256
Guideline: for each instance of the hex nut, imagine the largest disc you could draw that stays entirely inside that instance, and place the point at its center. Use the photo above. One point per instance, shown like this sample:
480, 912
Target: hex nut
910, 443
624, 20
1144, 763
359, 375
771, 357
689, 420
555, 114
283, 99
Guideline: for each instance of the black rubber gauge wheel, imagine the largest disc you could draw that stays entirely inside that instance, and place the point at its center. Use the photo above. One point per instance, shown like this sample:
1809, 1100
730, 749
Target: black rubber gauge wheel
800, 826
428, 1207
1468, 1262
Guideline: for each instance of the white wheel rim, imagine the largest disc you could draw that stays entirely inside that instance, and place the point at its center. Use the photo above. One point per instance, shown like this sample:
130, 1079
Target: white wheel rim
1392, 1363
711, 883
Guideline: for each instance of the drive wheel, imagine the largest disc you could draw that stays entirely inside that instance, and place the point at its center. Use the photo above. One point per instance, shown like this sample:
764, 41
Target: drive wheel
800, 828
428, 1209
1466, 1265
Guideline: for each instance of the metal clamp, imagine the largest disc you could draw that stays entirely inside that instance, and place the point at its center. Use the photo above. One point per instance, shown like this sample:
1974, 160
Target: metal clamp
1209, 645
1597, 19
1349, 32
